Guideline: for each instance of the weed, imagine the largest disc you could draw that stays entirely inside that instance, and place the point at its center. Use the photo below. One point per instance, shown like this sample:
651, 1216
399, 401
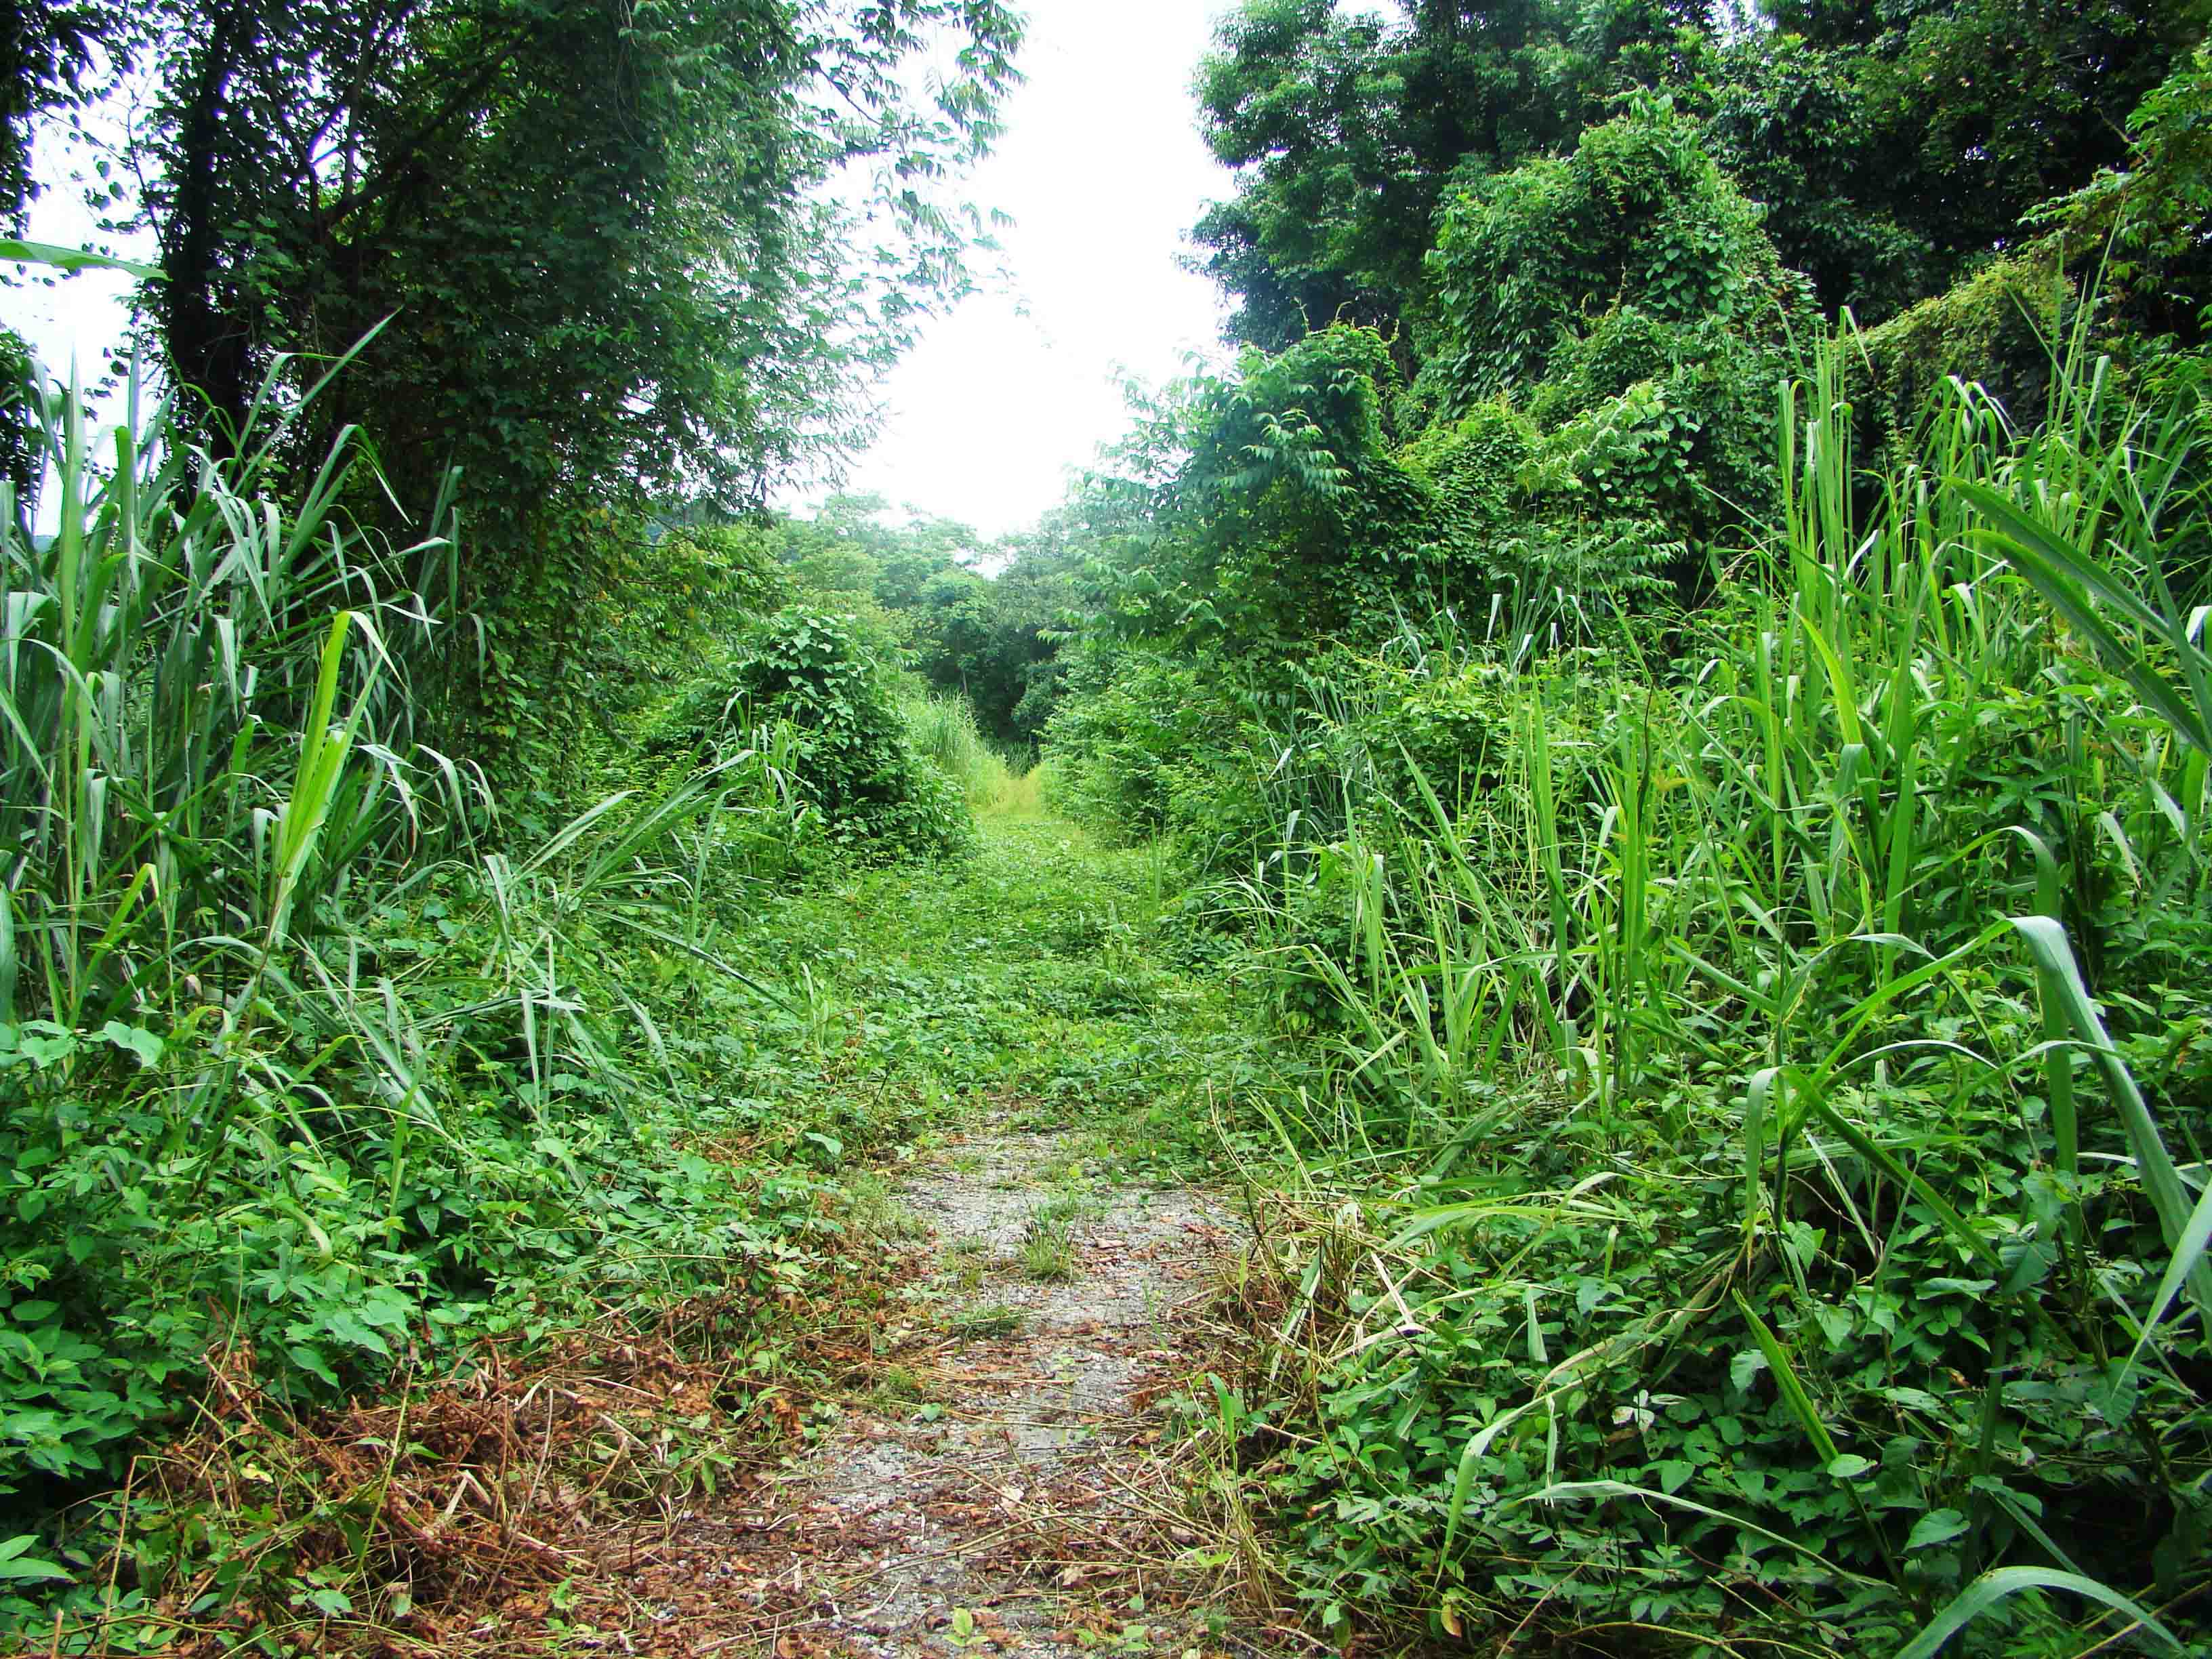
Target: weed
962, 1632
1048, 1247
985, 1324
896, 1384
1709, 1042
873, 1209
944, 728
1063, 1210
967, 1261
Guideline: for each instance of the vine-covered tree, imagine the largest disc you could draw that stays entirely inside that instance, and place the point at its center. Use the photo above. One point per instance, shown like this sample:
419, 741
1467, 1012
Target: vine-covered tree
1345, 126
613, 250
1894, 144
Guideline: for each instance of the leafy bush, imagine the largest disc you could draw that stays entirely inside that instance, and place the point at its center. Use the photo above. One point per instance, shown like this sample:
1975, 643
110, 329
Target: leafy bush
1793, 124
1621, 313
852, 756
1996, 328
1146, 745
1284, 514
1533, 530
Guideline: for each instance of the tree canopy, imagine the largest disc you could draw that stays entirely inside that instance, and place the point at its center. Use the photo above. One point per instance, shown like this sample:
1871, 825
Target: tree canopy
1892, 144
599, 254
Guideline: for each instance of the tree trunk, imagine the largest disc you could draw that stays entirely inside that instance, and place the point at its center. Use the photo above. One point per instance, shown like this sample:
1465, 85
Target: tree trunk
208, 342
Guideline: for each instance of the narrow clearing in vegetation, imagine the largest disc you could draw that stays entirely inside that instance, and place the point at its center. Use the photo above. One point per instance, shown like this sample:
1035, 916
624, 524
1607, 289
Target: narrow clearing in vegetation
1003, 1489
998, 1062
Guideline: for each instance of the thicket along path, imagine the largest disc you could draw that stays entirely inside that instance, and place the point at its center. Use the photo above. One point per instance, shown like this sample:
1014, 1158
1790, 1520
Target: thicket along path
1002, 1479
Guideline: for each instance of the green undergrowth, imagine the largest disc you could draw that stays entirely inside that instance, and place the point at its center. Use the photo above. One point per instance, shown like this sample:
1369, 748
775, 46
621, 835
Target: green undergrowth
1038, 978
322, 1066
328, 1074
1749, 1192
722, 1192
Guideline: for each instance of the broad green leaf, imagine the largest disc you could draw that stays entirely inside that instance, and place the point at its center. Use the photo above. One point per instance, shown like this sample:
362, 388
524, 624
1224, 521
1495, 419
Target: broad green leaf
73, 258
2069, 580
16, 1563
1937, 1527
133, 1040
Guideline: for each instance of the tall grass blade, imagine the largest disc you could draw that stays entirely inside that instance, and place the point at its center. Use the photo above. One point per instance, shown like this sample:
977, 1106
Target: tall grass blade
2070, 580
2000, 1582
2062, 980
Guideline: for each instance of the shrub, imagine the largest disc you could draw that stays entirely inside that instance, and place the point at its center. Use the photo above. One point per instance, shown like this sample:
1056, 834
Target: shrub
1144, 745
1618, 317
806, 673
1996, 329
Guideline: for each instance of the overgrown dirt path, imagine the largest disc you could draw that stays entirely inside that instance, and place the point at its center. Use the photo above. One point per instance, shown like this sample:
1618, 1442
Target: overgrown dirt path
996, 1471
974, 1214
1002, 1491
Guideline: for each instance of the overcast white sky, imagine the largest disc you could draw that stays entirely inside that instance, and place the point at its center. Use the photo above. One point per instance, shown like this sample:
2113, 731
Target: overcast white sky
84, 317
1103, 171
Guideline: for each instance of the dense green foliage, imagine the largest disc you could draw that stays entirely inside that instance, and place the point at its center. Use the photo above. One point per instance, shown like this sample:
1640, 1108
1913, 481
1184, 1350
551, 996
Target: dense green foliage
1687, 1012
1654, 732
989, 639
325, 1053
802, 682
1895, 145
321, 1063
1348, 128
275, 1081
1713, 803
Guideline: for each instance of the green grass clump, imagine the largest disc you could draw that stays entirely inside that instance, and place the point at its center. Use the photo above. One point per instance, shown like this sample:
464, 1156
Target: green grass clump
873, 1209
1021, 795
945, 730
1048, 1247
898, 1385
966, 1261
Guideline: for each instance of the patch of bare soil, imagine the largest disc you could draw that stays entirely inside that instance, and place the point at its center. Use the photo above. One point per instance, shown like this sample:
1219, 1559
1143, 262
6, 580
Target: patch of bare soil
1002, 1490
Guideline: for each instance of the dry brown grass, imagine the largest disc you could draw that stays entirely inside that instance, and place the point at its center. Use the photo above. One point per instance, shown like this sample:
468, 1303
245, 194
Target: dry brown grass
467, 1512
